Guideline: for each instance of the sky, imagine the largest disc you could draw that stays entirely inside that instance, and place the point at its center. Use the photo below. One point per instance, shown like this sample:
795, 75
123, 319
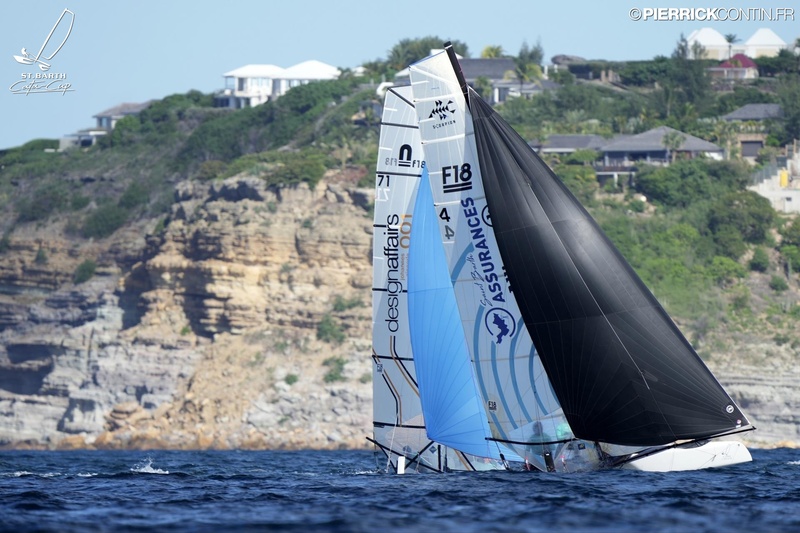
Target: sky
126, 51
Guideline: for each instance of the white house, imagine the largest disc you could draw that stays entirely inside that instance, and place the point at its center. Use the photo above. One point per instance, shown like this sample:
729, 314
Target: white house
714, 43
763, 43
252, 85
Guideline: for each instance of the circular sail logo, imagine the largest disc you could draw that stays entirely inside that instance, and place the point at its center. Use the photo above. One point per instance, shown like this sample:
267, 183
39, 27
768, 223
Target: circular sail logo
500, 324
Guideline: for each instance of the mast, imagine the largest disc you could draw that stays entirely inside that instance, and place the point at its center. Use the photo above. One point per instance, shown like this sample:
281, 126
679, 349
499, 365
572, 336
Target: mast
462, 81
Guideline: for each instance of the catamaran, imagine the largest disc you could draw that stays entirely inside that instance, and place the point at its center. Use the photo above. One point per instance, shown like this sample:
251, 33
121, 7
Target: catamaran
577, 365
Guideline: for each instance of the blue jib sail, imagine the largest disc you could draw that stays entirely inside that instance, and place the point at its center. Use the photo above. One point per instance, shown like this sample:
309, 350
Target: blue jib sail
454, 415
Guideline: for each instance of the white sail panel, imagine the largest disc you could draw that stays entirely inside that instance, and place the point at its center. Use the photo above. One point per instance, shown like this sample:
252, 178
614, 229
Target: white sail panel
399, 428
516, 391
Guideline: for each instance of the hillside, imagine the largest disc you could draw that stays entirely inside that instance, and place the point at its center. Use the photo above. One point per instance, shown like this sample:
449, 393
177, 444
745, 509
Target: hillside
202, 279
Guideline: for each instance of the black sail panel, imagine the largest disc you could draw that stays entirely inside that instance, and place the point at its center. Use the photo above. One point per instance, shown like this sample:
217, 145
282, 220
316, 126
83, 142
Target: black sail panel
622, 370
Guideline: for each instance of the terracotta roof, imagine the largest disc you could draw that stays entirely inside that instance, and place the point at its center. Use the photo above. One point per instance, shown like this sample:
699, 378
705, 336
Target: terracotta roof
739, 61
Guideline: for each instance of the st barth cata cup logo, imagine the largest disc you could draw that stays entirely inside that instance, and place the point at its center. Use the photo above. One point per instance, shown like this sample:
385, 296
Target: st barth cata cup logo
44, 81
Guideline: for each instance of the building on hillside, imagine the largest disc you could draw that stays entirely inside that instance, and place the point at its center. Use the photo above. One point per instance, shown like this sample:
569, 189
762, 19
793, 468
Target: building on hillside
714, 44
105, 122
739, 67
779, 181
763, 43
252, 85
752, 136
561, 145
107, 119
499, 73
652, 147
620, 156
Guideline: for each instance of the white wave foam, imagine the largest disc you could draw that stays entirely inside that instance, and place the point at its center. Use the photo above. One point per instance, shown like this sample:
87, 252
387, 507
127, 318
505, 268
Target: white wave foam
793, 463
146, 467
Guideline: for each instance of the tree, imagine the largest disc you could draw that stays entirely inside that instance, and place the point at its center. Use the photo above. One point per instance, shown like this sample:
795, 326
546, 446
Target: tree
748, 212
528, 63
791, 233
689, 76
408, 51
492, 52
672, 141
731, 38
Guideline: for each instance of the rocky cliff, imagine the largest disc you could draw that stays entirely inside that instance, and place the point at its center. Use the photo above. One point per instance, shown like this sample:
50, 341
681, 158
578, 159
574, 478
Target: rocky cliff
201, 331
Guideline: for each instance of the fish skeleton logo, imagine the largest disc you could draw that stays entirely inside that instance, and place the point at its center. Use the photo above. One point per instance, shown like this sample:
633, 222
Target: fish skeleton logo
500, 324
48, 51
442, 110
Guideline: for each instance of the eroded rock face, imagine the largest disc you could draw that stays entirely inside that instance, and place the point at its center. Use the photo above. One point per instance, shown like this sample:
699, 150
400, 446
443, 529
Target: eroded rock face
183, 334
203, 333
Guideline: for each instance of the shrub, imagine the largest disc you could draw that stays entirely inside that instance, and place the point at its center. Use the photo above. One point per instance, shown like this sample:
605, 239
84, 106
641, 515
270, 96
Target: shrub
210, 170
759, 261
724, 270
104, 221
341, 304
135, 194
329, 331
291, 379
84, 272
41, 257
336, 365
778, 284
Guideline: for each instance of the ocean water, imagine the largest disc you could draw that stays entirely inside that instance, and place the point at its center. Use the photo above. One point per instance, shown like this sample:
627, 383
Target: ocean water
347, 491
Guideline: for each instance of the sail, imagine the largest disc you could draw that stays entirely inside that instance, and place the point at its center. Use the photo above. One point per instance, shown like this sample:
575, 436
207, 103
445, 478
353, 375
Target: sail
398, 424
622, 370
517, 397
453, 410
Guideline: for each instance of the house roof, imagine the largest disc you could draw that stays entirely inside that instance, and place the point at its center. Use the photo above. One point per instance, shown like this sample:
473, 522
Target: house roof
256, 71
755, 112
122, 110
492, 68
739, 61
564, 143
653, 141
312, 70
707, 37
765, 37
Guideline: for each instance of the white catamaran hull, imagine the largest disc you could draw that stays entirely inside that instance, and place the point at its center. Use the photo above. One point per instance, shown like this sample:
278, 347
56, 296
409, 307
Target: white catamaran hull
713, 454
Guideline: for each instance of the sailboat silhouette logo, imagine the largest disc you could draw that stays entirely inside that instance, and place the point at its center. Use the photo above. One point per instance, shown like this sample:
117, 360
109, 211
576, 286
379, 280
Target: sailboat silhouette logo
52, 43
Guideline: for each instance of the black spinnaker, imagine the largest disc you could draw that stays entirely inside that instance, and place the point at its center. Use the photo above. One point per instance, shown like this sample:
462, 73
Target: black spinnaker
622, 370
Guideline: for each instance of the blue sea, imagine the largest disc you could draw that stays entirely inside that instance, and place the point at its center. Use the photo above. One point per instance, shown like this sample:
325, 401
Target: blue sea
348, 491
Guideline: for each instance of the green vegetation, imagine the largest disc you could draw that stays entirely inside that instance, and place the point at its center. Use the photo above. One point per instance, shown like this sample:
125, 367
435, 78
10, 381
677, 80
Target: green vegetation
291, 379
778, 284
343, 304
336, 369
84, 271
328, 330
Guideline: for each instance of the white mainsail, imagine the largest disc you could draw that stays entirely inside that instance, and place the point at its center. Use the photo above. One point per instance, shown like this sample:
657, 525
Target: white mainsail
399, 424
519, 400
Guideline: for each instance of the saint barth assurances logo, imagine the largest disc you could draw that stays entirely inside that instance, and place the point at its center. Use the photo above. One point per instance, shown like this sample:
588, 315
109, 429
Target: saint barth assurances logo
45, 81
